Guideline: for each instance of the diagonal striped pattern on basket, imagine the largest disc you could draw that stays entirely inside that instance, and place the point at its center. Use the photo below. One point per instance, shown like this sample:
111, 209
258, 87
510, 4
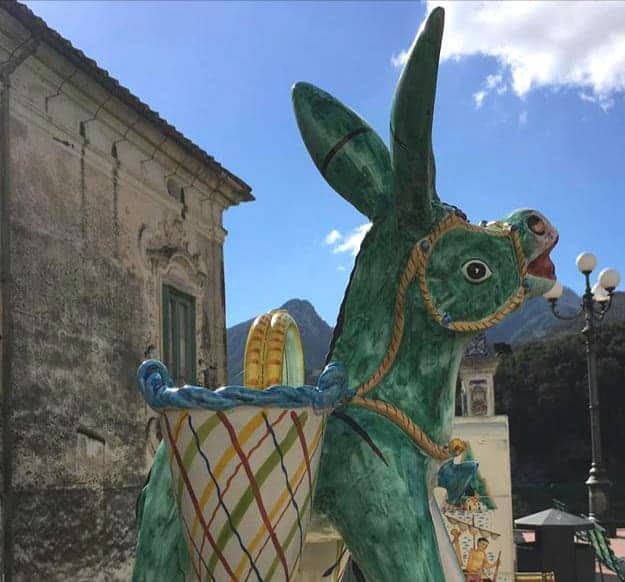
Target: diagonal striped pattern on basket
245, 505
244, 464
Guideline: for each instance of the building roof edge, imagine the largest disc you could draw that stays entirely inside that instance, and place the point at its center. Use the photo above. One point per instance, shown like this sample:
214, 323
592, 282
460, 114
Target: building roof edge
38, 27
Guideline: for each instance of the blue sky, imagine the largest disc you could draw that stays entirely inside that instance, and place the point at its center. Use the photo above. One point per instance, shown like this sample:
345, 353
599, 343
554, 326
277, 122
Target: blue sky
529, 113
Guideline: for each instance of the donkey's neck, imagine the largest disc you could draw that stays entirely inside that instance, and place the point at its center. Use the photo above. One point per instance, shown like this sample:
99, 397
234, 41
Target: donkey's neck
422, 379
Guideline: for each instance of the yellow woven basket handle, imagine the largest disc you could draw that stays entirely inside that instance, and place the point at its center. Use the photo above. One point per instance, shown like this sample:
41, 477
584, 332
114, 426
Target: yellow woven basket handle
273, 352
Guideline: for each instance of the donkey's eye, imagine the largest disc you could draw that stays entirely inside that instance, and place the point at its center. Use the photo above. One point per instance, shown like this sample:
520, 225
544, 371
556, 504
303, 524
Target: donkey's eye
476, 271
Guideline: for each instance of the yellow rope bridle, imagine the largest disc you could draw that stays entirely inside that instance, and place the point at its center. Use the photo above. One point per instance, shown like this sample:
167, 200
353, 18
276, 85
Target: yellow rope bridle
416, 267
424, 249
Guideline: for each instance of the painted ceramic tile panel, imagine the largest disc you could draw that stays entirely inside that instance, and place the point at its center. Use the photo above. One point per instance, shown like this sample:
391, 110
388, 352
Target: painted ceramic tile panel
480, 523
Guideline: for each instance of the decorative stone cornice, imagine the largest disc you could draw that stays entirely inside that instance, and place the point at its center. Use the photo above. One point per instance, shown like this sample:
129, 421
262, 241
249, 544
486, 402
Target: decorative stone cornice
168, 244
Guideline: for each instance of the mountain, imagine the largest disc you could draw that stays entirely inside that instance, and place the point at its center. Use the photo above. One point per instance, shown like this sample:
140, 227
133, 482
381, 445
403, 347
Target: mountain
535, 321
532, 321
315, 332
616, 314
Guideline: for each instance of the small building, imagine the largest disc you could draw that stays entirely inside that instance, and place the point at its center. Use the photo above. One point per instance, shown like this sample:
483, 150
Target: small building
477, 378
485, 509
111, 251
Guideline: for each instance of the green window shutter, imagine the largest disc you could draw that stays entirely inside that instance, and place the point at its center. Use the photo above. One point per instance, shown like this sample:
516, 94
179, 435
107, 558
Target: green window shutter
179, 349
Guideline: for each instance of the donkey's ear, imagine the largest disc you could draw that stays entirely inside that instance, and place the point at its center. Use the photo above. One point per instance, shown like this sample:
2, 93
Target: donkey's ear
346, 150
411, 123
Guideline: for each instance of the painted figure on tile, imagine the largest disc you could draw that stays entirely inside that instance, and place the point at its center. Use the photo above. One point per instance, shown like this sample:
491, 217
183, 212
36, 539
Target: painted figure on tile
478, 563
477, 566
424, 282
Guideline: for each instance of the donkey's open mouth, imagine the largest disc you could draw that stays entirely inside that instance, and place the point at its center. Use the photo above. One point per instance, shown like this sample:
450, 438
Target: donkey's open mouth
546, 237
542, 266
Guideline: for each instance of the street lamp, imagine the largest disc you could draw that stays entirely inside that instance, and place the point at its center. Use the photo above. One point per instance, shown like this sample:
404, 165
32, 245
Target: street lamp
596, 302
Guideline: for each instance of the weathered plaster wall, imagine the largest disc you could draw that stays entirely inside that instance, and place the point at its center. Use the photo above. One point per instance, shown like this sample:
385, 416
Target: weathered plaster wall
94, 235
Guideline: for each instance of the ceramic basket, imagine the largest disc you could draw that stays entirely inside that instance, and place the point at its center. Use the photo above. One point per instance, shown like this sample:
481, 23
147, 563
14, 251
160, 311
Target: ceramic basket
244, 464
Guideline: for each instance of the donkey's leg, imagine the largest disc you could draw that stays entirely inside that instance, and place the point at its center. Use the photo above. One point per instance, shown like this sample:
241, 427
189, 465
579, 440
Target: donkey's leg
383, 513
390, 546
449, 562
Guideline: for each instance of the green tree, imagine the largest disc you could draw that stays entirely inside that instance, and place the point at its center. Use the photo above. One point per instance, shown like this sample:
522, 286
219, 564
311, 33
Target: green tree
542, 387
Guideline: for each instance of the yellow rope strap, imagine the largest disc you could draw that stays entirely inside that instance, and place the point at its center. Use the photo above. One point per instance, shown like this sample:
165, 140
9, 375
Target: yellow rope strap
400, 419
416, 267
398, 328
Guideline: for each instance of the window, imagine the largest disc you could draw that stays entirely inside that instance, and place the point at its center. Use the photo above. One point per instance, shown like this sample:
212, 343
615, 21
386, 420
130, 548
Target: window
179, 335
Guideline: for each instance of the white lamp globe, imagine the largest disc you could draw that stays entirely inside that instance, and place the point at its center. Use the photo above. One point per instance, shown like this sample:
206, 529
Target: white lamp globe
600, 294
555, 292
609, 279
586, 262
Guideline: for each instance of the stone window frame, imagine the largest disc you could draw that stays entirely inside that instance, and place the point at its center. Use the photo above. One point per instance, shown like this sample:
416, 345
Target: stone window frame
172, 295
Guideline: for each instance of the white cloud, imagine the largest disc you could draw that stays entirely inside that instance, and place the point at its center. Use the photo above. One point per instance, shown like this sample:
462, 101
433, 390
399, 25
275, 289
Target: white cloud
586, 97
350, 243
397, 60
332, 237
523, 118
540, 44
493, 81
604, 102
478, 98
340, 268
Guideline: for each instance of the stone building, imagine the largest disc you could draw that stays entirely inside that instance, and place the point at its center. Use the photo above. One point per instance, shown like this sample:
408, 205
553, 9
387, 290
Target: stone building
111, 250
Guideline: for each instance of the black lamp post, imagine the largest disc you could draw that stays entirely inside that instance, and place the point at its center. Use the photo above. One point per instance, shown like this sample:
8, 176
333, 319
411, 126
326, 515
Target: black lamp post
596, 302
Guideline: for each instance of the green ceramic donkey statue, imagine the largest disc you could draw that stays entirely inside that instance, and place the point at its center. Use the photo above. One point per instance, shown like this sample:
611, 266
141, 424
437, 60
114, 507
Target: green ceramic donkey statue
424, 282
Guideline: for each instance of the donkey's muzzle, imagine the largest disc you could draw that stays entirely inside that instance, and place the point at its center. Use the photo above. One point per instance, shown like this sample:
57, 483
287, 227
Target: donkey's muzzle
546, 238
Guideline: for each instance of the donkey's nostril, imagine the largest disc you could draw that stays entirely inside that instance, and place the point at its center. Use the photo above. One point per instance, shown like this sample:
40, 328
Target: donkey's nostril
537, 224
